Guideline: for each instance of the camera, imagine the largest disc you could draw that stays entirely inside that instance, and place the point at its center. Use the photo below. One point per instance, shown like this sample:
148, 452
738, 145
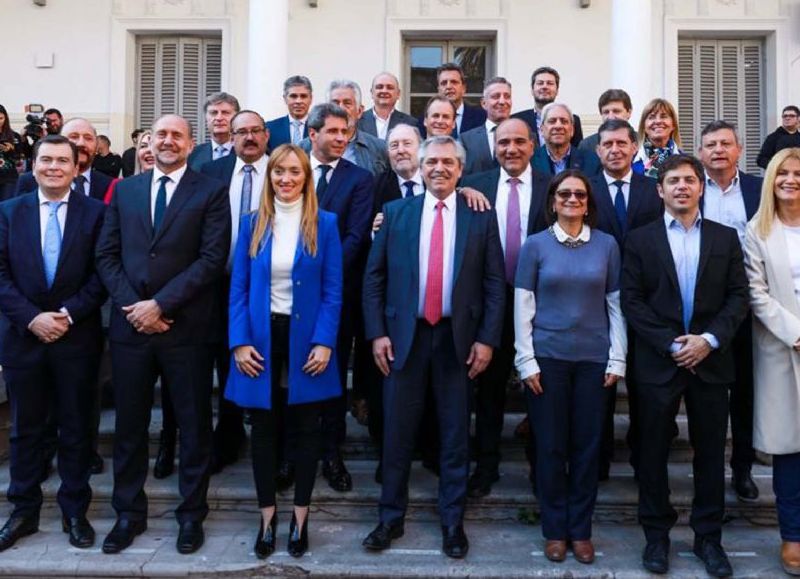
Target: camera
35, 129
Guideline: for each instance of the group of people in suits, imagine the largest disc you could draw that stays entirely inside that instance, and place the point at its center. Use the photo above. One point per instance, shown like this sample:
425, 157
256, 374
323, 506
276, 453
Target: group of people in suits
444, 253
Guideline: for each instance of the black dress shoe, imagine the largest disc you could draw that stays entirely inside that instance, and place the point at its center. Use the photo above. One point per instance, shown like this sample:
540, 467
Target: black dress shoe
381, 536
96, 466
480, 484
298, 538
379, 473
711, 553
335, 472
745, 487
81, 533
454, 541
17, 527
190, 537
285, 477
165, 459
656, 556
431, 465
122, 535
265, 541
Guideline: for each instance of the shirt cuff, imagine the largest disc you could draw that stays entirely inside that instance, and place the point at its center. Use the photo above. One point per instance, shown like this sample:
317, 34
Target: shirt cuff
616, 367
64, 310
675, 347
528, 369
711, 339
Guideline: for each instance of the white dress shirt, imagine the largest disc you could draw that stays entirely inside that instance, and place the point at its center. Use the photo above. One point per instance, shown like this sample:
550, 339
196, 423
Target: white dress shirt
459, 116
626, 187
726, 207
419, 186
235, 194
490, 128
315, 163
174, 178
426, 228
44, 214
501, 203
87, 185
382, 125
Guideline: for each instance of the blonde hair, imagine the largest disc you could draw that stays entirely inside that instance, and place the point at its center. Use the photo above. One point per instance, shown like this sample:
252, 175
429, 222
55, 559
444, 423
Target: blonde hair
266, 208
767, 210
137, 166
657, 105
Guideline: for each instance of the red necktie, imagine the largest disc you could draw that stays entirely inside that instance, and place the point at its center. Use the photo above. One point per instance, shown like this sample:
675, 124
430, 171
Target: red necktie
433, 288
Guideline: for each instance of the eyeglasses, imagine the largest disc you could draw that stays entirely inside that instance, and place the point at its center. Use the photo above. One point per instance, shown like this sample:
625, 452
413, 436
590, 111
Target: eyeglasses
255, 131
564, 194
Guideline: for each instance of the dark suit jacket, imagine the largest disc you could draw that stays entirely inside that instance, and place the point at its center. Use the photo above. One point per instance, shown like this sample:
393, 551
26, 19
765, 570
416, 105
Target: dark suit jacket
221, 169
486, 182
479, 155
751, 193
651, 300
585, 161
128, 161
644, 206
473, 117
23, 288
391, 281
367, 121
387, 188
529, 116
98, 184
200, 155
370, 152
178, 266
280, 132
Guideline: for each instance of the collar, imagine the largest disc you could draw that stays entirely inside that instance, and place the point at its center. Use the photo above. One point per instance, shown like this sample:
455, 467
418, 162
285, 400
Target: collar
567, 154
526, 177
228, 145
316, 162
294, 120
43, 199
431, 200
734, 182
260, 166
416, 178
460, 109
175, 176
626, 179
88, 174
563, 236
490, 125
671, 221
377, 116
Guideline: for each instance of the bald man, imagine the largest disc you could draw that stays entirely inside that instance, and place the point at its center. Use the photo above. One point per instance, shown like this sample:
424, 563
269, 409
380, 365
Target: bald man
383, 116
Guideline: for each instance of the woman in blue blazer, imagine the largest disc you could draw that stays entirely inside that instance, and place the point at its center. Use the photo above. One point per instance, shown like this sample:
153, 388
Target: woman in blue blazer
285, 302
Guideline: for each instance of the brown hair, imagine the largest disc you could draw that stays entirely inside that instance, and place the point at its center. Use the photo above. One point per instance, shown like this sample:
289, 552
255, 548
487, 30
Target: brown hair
657, 105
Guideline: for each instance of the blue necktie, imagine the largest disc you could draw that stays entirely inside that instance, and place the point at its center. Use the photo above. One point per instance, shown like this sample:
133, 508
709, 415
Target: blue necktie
322, 182
247, 190
296, 136
161, 203
409, 185
79, 184
52, 243
619, 206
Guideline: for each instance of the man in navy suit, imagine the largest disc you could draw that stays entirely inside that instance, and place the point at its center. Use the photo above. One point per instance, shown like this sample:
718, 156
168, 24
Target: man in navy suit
161, 255
292, 128
732, 197
50, 337
345, 189
479, 142
92, 183
452, 86
219, 109
625, 200
558, 152
433, 308
545, 82
383, 116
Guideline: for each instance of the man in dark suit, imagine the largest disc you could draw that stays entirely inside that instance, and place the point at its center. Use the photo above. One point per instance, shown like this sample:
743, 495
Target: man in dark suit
558, 152
439, 119
219, 109
479, 142
383, 116
614, 103
89, 181
434, 312
292, 128
50, 337
513, 178
161, 255
452, 86
685, 293
345, 189
624, 202
545, 82
732, 197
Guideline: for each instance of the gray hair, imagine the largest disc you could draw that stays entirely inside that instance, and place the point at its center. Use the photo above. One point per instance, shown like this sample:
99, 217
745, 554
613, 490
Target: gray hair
461, 153
549, 107
296, 80
344, 83
385, 73
319, 113
221, 97
495, 80
414, 129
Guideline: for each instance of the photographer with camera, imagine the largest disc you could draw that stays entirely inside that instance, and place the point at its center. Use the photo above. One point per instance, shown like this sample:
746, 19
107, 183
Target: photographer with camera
11, 151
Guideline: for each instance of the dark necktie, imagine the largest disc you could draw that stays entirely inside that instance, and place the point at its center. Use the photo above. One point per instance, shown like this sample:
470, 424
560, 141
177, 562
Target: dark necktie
161, 203
79, 184
619, 206
409, 185
322, 182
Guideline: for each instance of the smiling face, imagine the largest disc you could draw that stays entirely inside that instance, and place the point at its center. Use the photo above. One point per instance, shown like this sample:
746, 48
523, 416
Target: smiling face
557, 128
659, 126
681, 190
328, 144
171, 142
54, 169
298, 101
288, 178
544, 89
719, 151
787, 183
571, 200
451, 86
440, 119
403, 147
616, 151
441, 169
82, 133
513, 146
348, 100
497, 102
146, 158
249, 137
385, 91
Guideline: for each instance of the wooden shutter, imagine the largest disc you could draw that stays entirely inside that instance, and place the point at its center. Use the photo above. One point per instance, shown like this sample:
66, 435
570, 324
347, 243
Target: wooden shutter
191, 98
752, 126
686, 68
146, 56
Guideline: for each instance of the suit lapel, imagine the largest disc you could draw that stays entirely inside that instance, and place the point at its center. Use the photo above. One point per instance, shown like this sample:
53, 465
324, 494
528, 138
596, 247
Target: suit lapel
75, 208
706, 243
181, 195
778, 253
339, 173
603, 199
463, 219
33, 234
413, 223
634, 198
664, 253
142, 202
370, 125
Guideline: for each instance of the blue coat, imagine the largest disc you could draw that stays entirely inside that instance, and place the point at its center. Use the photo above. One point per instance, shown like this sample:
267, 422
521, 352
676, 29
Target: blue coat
316, 306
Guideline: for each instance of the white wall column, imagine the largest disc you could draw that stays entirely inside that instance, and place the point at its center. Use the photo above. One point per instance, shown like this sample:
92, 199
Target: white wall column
632, 51
267, 51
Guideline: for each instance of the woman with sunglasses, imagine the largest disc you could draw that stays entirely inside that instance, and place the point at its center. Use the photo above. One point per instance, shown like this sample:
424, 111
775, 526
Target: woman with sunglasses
570, 349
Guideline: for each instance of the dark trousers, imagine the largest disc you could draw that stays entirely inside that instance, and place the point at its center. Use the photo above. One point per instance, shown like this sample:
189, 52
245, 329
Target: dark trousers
632, 436
432, 359
741, 401
567, 419
707, 412
71, 384
786, 484
188, 369
491, 396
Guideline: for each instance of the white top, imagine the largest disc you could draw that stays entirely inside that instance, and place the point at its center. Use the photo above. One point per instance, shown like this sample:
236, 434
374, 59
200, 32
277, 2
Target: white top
426, 228
793, 245
490, 128
235, 194
315, 163
285, 236
174, 178
501, 203
626, 187
419, 185
382, 125
44, 214
726, 207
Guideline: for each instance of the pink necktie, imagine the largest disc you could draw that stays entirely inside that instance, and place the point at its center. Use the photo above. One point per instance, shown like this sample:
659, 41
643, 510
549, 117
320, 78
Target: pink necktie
433, 288
512, 231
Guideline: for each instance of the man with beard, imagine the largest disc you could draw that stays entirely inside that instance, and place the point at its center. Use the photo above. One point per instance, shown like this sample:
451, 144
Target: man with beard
545, 82
219, 109
383, 116
292, 128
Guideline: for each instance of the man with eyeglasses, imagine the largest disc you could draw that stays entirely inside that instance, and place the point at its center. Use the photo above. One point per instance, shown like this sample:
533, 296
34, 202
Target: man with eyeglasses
784, 137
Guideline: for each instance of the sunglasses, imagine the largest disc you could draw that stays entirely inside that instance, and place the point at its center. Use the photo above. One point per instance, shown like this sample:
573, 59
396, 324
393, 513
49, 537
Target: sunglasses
579, 195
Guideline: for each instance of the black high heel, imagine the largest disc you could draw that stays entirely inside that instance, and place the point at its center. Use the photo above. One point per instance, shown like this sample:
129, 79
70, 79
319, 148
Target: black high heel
298, 538
265, 541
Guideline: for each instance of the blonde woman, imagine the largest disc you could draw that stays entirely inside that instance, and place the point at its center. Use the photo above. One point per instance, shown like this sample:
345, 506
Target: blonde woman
659, 137
285, 302
772, 259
